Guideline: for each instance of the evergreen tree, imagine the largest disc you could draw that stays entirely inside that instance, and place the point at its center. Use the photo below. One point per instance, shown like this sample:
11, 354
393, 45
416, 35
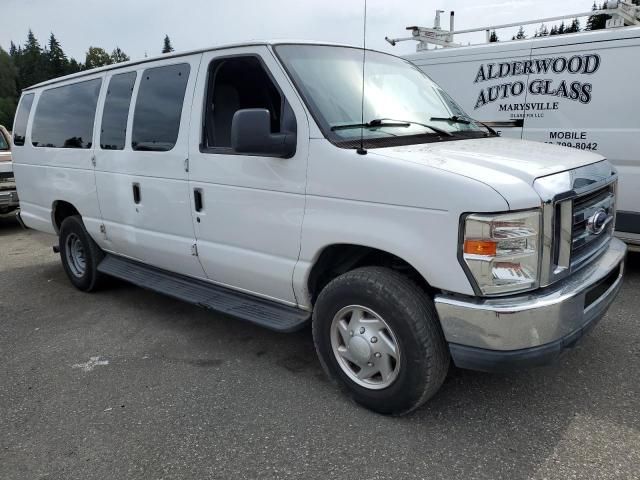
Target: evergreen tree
493, 37
554, 30
31, 63
520, 35
8, 88
118, 56
597, 22
58, 62
74, 67
97, 57
562, 29
543, 31
167, 45
574, 27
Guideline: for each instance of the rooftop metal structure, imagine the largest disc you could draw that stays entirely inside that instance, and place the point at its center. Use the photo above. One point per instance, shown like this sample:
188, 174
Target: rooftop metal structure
622, 14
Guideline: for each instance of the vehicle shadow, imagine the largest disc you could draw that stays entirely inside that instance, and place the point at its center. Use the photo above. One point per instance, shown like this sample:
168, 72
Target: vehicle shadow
9, 226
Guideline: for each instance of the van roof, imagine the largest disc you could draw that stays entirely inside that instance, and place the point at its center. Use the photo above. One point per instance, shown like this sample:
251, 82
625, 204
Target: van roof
537, 42
130, 63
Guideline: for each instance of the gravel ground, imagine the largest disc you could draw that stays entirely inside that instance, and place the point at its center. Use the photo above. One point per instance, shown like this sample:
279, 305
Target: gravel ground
126, 384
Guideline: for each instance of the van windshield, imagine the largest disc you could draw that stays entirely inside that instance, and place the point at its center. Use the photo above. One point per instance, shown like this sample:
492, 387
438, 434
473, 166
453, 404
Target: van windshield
401, 104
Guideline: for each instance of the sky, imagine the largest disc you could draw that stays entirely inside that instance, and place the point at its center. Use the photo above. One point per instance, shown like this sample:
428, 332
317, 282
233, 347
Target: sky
138, 26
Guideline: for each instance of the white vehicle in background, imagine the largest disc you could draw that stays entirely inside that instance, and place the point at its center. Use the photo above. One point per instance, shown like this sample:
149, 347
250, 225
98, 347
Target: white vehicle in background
244, 180
8, 193
577, 90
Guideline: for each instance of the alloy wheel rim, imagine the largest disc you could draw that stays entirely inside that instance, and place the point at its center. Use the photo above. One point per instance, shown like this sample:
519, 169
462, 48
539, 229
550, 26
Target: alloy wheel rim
365, 347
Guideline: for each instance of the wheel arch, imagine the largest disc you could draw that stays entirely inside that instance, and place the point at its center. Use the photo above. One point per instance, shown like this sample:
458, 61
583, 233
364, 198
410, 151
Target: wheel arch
338, 258
60, 210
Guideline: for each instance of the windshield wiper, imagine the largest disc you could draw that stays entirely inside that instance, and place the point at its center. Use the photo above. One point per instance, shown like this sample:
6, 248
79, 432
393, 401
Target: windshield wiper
388, 122
452, 119
464, 121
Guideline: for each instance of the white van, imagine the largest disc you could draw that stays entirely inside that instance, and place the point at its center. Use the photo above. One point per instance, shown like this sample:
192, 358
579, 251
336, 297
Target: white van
243, 180
578, 90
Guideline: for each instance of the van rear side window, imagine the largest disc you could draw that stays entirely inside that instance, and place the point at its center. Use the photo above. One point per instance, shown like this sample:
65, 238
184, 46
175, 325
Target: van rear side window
22, 116
116, 111
65, 115
156, 121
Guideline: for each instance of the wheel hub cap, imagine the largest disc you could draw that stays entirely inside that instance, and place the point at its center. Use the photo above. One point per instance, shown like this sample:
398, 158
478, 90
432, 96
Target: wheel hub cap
365, 347
359, 348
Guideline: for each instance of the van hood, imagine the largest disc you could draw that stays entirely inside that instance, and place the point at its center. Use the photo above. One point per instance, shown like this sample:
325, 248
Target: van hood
507, 165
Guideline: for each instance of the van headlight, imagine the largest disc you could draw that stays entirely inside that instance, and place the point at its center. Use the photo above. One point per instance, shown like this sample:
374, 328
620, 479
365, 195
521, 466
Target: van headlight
501, 251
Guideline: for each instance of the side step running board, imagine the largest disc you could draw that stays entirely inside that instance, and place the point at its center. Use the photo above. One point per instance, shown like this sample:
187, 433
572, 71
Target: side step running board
265, 313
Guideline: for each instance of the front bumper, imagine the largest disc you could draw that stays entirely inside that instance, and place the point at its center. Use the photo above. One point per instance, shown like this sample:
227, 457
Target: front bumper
8, 201
531, 329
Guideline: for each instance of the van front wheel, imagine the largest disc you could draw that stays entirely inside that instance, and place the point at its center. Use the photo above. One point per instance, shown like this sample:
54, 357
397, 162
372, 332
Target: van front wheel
80, 255
378, 336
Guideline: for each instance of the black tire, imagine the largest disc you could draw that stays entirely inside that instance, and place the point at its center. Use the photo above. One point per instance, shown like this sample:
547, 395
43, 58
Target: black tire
410, 313
90, 280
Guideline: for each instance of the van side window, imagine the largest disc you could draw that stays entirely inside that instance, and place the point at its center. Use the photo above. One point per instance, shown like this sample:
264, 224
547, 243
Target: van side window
156, 121
22, 117
234, 84
116, 111
64, 116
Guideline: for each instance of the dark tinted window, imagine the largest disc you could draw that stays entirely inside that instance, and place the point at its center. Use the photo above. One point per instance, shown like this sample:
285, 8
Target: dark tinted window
64, 116
3, 142
22, 116
237, 83
156, 120
116, 110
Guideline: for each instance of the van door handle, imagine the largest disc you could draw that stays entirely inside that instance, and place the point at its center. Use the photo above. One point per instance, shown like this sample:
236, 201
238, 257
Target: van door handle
197, 199
136, 193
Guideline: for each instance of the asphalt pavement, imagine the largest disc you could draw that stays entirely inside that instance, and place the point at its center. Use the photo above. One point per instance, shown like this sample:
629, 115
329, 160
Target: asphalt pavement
126, 384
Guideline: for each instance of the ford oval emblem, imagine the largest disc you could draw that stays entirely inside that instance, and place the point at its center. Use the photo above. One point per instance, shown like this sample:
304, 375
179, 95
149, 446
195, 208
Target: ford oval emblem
598, 221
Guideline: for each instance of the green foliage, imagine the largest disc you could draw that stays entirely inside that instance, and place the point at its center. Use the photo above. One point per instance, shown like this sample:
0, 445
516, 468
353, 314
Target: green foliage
8, 89
543, 31
562, 29
574, 27
520, 35
118, 56
32, 63
597, 22
97, 57
58, 62
167, 45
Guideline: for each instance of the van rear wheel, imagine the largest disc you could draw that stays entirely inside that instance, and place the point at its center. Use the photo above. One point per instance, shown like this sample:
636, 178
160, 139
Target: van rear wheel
379, 338
80, 255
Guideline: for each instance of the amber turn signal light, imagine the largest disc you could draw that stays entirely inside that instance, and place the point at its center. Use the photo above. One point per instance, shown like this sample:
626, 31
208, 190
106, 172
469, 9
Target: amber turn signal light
480, 247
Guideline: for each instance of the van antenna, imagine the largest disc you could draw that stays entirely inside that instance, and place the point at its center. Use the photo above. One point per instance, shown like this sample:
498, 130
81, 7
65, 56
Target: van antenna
361, 150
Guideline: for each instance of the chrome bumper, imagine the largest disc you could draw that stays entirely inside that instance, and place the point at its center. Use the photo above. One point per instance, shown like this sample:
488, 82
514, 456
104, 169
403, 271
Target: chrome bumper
533, 323
8, 200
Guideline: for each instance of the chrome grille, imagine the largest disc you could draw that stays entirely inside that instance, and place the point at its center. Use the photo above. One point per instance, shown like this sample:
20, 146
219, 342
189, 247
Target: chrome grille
568, 198
584, 240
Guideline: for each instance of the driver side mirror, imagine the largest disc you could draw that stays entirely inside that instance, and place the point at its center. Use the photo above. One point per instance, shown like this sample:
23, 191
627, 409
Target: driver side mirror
251, 134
